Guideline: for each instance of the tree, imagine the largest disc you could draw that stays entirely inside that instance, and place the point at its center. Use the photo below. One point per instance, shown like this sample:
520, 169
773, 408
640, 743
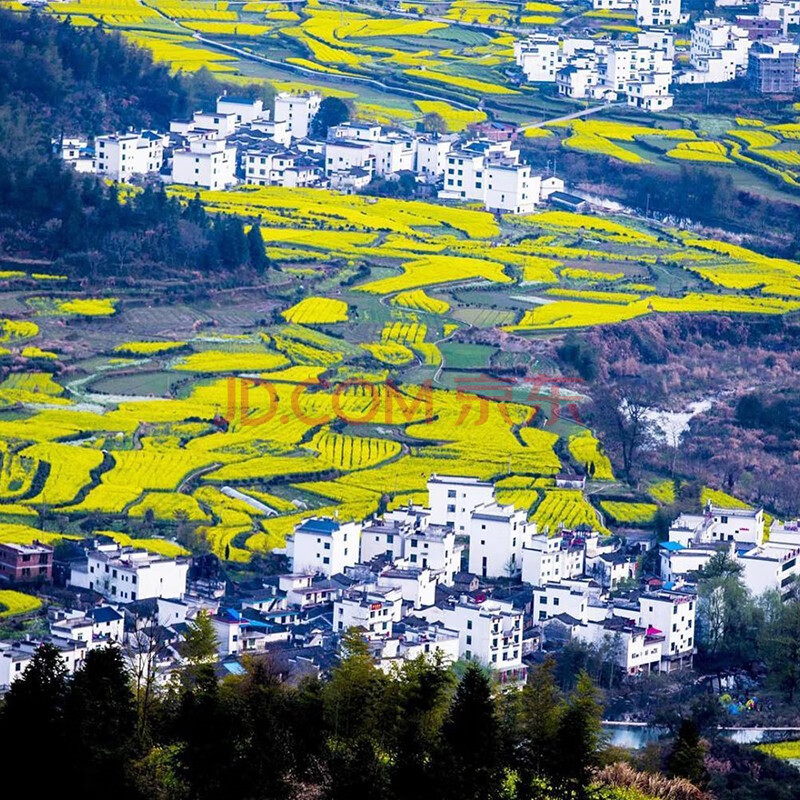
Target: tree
200, 641
780, 647
580, 735
468, 765
418, 703
101, 717
621, 410
434, 122
541, 709
687, 756
34, 712
255, 245
332, 111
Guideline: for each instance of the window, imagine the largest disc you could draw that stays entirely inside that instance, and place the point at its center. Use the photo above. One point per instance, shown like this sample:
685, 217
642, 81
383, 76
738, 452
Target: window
326, 560
469, 639
469, 624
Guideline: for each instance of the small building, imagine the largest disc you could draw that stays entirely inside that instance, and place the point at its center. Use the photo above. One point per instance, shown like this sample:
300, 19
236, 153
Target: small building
570, 202
297, 111
323, 545
23, 563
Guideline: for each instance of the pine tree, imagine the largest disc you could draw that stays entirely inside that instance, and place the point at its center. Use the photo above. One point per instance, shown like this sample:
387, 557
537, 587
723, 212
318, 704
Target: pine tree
687, 757
33, 712
101, 716
541, 710
580, 737
200, 641
257, 253
468, 766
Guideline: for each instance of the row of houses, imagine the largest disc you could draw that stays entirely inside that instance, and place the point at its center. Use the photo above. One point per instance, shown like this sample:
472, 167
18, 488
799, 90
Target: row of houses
461, 577
723, 50
641, 71
766, 564
238, 142
582, 67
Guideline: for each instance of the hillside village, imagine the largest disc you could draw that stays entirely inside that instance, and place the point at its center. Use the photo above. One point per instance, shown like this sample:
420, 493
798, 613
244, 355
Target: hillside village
460, 578
241, 142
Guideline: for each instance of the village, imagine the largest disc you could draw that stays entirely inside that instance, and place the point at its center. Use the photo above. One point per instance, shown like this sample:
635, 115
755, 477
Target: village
462, 578
242, 142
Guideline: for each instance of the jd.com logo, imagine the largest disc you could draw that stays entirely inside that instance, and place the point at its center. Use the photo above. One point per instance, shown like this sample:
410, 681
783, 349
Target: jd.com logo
255, 401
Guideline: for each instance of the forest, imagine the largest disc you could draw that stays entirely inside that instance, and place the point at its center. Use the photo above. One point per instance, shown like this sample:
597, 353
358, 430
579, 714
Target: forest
59, 80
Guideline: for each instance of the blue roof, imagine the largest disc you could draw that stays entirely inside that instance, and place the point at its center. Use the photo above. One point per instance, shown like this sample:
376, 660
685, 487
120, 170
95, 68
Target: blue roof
234, 667
672, 545
323, 526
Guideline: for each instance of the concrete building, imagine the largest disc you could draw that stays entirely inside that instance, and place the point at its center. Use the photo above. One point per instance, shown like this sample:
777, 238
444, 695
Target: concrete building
243, 109
553, 558
125, 575
452, 500
121, 156
22, 563
489, 631
320, 545
772, 67
207, 163
372, 609
297, 111
497, 536
658, 13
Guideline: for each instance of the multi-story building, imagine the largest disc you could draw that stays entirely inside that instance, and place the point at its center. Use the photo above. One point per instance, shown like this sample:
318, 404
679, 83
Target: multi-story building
372, 609
489, 631
431, 158
125, 575
658, 13
452, 500
297, 111
540, 57
20, 563
553, 558
635, 649
411, 641
787, 12
511, 187
344, 155
719, 524
406, 534
670, 614
497, 536
210, 163
772, 67
121, 156
243, 109
320, 545
718, 52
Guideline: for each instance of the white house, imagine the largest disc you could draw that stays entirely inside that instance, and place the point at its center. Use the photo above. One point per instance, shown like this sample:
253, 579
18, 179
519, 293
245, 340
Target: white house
406, 534
342, 155
13, 663
552, 558
658, 13
372, 609
243, 109
540, 56
120, 156
124, 574
101, 626
320, 545
635, 649
432, 156
511, 187
432, 641
301, 590
209, 163
571, 597
297, 111
719, 524
671, 614
497, 535
417, 585
770, 567
452, 500
489, 631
